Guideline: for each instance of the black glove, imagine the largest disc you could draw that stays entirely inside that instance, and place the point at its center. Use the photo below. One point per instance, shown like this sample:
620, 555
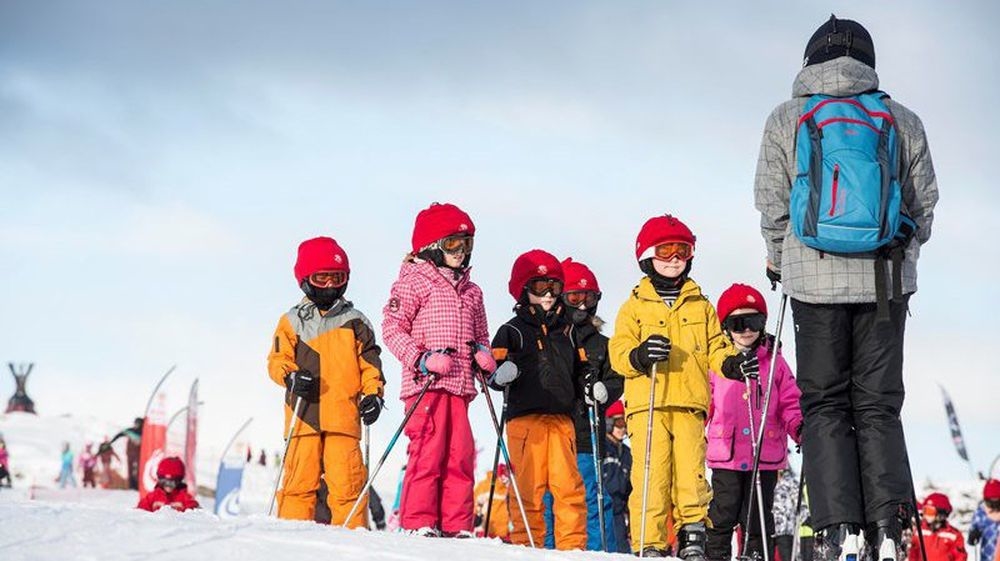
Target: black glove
741, 366
594, 390
974, 536
303, 384
369, 408
774, 276
656, 348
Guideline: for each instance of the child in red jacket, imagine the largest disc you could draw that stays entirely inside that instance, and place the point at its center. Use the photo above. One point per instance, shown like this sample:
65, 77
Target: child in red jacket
943, 541
170, 488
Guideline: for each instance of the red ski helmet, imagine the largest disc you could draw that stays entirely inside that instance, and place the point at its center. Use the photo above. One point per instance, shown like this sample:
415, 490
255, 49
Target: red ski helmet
740, 296
616, 409
320, 254
533, 264
578, 276
939, 501
170, 468
502, 470
658, 230
991, 491
437, 221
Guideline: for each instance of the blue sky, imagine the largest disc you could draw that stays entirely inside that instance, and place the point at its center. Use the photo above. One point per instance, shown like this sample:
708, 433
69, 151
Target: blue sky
160, 162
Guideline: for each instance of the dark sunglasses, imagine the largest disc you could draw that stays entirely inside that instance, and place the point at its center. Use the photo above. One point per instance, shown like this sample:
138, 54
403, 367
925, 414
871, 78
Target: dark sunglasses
743, 322
588, 298
543, 286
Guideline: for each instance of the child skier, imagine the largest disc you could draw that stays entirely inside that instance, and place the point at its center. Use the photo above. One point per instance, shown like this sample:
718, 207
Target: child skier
734, 422
580, 297
5, 480
985, 528
170, 488
499, 514
66, 476
435, 324
324, 354
617, 470
88, 462
942, 540
669, 330
549, 377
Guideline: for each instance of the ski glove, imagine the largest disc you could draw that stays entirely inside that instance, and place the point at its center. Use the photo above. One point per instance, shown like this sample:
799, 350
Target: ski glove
594, 389
482, 357
369, 408
654, 349
741, 366
774, 276
504, 374
974, 535
437, 361
303, 384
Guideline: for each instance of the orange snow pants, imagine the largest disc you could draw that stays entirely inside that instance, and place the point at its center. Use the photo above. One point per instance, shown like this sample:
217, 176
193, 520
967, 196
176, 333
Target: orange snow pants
543, 453
345, 477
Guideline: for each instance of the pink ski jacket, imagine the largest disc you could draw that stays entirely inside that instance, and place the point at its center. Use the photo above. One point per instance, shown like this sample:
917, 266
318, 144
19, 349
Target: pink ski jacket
426, 311
729, 434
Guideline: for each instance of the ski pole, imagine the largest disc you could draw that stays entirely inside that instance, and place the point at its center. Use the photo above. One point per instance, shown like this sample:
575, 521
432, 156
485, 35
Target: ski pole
797, 537
645, 468
506, 456
755, 484
288, 440
368, 443
592, 411
496, 464
755, 472
371, 476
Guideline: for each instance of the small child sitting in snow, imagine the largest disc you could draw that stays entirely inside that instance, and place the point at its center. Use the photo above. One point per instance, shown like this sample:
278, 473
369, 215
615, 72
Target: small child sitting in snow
170, 488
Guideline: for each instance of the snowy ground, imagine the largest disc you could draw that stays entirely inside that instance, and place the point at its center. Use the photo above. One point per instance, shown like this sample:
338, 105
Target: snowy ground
41, 522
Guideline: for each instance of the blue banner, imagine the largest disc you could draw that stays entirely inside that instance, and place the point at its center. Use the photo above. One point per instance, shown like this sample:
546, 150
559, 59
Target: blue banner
227, 488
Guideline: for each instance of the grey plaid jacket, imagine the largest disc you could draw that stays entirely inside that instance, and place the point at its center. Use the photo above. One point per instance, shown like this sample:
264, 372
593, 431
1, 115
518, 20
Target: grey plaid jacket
807, 274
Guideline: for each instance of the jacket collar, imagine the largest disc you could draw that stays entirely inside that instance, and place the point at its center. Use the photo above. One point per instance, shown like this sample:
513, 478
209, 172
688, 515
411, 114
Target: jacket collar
839, 77
433, 273
645, 291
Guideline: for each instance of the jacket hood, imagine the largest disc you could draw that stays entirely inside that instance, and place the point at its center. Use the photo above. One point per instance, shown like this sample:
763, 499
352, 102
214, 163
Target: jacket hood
839, 77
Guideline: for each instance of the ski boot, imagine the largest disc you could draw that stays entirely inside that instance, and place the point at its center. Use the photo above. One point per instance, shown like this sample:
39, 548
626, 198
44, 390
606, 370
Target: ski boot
884, 538
654, 552
838, 543
691, 542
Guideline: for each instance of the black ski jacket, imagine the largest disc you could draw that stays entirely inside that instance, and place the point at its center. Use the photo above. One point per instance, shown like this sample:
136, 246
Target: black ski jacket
542, 346
595, 345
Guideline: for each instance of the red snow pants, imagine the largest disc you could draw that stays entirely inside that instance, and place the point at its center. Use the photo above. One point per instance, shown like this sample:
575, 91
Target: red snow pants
437, 487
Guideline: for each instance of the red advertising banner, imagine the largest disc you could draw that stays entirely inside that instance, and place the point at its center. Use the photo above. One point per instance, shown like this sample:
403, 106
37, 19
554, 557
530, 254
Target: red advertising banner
154, 442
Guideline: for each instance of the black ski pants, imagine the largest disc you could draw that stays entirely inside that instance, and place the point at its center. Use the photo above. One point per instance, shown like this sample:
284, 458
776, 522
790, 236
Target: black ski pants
850, 371
729, 507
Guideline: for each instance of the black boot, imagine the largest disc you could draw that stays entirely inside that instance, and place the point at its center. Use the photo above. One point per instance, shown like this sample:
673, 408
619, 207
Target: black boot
884, 537
691, 542
838, 543
654, 552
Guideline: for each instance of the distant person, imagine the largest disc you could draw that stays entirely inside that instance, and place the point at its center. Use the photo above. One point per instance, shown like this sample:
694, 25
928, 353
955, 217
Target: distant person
88, 462
5, 480
324, 354
262, 459
942, 540
133, 448
499, 514
105, 453
846, 191
618, 474
170, 488
985, 528
66, 476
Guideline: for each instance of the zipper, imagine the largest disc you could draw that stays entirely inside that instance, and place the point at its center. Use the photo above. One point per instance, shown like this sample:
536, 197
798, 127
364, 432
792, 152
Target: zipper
836, 181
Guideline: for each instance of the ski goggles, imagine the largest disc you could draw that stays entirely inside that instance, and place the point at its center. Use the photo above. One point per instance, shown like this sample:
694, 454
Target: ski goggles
328, 279
744, 322
543, 286
169, 483
589, 298
456, 244
667, 251
618, 422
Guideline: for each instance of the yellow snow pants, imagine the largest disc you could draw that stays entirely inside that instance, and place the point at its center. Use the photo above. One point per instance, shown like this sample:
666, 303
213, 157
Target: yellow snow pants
678, 491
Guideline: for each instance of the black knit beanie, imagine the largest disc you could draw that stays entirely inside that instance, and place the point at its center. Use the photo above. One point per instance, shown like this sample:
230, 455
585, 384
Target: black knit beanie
837, 38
